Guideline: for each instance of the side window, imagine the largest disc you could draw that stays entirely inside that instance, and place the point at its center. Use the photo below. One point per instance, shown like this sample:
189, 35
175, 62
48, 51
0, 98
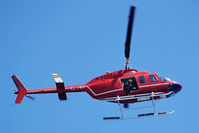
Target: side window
152, 78
142, 79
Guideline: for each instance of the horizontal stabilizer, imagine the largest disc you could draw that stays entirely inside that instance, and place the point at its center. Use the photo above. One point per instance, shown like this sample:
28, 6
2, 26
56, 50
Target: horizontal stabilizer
60, 87
61, 95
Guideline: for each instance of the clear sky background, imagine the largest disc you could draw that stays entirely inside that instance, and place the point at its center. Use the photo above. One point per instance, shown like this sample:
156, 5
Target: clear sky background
82, 39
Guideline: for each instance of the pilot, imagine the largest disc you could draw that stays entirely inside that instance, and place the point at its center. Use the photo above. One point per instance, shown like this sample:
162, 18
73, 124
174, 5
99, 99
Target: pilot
128, 86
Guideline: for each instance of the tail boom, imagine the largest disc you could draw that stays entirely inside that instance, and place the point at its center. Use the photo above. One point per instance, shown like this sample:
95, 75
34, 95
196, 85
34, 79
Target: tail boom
22, 90
68, 89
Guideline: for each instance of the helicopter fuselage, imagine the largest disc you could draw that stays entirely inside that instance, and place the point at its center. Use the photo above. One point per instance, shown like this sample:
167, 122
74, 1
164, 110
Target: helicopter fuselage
113, 85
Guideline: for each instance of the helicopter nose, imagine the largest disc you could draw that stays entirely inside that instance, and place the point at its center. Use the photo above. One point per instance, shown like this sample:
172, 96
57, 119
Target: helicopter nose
174, 87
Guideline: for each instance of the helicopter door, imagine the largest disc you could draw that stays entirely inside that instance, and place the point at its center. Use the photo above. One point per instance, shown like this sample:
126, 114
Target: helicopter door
129, 84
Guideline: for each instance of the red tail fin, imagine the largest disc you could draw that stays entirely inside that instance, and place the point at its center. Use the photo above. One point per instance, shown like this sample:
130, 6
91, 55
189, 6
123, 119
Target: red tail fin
21, 89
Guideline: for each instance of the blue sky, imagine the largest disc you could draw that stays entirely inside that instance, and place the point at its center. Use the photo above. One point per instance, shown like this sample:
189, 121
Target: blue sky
82, 39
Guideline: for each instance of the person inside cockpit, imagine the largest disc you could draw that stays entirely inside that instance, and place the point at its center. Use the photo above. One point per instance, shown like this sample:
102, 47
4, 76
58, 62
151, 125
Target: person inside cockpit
128, 86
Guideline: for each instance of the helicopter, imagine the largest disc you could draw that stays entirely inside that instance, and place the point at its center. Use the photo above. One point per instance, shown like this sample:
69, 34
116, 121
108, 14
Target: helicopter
122, 87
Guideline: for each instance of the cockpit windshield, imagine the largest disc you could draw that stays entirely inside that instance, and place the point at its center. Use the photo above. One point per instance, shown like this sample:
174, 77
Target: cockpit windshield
164, 78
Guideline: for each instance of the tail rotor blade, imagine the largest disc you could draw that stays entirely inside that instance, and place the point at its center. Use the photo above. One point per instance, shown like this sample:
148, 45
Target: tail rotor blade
30, 97
14, 90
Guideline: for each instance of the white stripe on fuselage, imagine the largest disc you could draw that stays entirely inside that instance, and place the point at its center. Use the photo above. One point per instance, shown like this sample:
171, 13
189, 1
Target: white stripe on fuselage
143, 86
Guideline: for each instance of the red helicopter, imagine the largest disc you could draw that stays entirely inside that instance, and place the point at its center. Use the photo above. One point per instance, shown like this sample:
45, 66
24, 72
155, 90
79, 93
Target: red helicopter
121, 87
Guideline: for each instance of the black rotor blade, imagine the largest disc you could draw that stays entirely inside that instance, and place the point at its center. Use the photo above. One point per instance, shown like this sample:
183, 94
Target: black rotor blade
30, 97
129, 32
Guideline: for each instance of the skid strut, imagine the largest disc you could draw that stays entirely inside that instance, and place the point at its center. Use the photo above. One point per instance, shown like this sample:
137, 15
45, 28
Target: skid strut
121, 112
154, 113
154, 107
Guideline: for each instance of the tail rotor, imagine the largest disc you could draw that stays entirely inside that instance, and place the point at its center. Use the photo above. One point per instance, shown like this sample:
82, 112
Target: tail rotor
30, 97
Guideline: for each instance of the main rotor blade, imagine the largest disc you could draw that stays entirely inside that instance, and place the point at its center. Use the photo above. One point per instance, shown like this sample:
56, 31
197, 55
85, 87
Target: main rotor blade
129, 34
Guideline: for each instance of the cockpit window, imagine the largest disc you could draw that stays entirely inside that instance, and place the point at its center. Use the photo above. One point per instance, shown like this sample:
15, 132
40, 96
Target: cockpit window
142, 79
164, 78
153, 78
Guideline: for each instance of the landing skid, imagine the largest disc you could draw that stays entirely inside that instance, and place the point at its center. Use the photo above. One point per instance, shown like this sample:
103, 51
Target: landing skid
121, 117
138, 116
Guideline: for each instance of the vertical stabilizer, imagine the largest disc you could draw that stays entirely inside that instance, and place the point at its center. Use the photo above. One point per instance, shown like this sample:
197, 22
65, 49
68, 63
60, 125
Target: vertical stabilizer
21, 89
